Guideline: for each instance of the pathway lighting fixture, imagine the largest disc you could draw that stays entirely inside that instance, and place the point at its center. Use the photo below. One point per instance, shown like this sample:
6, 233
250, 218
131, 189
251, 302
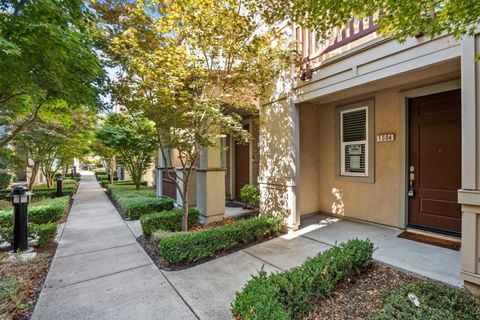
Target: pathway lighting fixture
58, 176
20, 200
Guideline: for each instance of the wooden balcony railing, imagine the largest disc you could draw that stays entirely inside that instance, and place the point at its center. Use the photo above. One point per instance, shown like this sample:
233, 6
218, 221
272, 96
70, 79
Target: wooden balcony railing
356, 32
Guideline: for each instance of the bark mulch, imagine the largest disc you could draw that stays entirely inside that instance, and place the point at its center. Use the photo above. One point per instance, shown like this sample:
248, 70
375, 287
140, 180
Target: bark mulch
21, 283
357, 298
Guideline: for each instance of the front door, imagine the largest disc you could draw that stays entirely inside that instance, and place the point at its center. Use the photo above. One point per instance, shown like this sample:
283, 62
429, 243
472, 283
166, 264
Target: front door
435, 162
242, 165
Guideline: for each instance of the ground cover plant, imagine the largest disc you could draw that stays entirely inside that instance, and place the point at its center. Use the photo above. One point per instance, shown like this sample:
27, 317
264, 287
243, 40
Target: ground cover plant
418, 301
135, 203
191, 247
291, 294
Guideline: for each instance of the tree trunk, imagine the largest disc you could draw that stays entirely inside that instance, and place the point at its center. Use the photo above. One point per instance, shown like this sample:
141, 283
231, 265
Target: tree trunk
185, 204
35, 167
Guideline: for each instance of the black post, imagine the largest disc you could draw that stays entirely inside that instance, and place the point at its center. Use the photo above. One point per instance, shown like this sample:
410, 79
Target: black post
20, 199
59, 185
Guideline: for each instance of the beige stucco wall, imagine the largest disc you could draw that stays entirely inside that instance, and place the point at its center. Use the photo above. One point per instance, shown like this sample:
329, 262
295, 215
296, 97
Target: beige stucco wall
277, 160
377, 202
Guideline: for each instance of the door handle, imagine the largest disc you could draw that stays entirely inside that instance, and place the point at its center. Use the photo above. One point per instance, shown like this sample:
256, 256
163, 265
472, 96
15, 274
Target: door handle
411, 179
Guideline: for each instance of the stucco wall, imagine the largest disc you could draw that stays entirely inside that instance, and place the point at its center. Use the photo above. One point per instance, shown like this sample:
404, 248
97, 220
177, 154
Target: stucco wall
378, 201
277, 160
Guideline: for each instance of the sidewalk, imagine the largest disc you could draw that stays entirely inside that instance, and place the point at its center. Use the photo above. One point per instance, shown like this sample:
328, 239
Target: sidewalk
100, 271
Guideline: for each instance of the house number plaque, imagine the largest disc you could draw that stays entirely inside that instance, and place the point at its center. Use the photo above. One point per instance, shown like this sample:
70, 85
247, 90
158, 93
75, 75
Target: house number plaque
385, 137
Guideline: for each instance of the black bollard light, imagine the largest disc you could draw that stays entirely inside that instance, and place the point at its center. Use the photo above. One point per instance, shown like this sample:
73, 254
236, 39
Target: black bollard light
58, 176
20, 200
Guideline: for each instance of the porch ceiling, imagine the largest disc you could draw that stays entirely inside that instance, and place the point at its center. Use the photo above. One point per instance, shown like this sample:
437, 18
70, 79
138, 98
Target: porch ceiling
437, 73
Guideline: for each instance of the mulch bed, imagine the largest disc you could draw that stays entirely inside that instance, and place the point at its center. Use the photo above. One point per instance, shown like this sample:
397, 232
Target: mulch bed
30, 276
357, 298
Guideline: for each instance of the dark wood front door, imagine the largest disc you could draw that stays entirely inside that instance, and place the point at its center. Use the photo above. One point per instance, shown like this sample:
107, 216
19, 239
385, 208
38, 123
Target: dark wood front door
169, 186
435, 159
242, 165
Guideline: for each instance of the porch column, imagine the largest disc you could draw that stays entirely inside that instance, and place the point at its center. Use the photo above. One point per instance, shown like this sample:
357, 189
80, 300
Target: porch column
192, 191
469, 195
279, 161
162, 154
211, 185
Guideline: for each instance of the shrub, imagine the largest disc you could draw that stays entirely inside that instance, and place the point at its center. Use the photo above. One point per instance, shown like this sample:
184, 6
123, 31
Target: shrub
437, 301
46, 233
291, 294
6, 233
44, 211
4, 194
49, 210
136, 203
167, 220
136, 207
251, 195
4, 180
52, 193
129, 183
101, 177
194, 246
6, 218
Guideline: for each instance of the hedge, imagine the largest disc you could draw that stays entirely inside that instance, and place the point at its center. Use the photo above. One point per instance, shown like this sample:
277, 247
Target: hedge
136, 203
46, 233
194, 246
167, 220
4, 180
43, 217
44, 211
129, 183
291, 294
136, 207
437, 301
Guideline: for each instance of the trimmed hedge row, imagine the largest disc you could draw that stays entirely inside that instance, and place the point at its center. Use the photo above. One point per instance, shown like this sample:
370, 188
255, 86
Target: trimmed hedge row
43, 219
44, 211
44, 233
291, 294
167, 220
194, 246
136, 203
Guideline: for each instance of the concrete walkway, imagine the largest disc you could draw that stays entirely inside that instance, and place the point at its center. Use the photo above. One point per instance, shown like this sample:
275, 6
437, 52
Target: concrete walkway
101, 272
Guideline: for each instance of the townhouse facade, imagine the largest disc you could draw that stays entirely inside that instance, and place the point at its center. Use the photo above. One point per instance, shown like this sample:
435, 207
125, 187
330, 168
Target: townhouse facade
379, 131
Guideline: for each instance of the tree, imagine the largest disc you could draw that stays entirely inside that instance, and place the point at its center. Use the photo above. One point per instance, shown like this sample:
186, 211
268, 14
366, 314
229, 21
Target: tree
399, 19
51, 145
134, 141
107, 156
189, 66
46, 55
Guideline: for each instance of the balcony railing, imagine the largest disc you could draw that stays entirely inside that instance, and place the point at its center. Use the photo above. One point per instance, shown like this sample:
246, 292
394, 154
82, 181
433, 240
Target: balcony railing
355, 33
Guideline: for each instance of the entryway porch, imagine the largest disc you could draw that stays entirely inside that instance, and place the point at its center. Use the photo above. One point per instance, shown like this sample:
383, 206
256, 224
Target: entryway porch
430, 261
